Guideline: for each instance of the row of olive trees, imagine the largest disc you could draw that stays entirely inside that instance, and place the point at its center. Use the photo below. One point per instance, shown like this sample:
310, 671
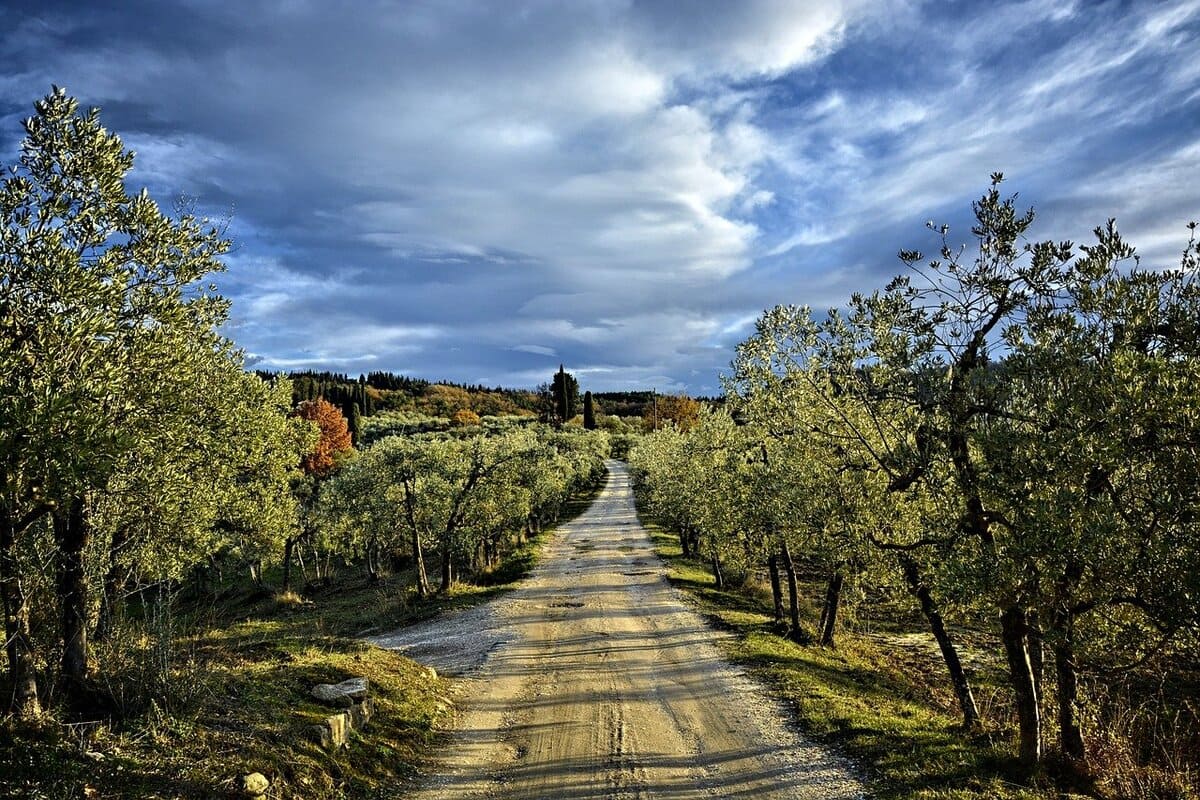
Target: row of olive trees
469, 498
132, 443
1013, 436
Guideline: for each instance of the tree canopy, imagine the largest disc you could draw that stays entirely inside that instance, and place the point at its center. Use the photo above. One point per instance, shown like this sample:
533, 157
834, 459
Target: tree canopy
1007, 434
333, 439
118, 393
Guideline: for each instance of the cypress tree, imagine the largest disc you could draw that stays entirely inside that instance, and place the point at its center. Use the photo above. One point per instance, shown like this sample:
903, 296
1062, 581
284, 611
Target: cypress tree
354, 420
589, 411
368, 405
565, 390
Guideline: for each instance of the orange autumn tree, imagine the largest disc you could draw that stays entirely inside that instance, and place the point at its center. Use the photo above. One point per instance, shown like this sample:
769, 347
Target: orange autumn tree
464, 417
334, 440
332, 443
679, 409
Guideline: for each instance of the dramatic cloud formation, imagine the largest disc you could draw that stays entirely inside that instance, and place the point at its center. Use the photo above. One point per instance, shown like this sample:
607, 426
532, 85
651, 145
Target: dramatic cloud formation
477, 191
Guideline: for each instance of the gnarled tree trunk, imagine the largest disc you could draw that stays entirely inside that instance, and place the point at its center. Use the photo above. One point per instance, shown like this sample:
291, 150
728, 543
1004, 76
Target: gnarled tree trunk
958, 676
718, 576
795, 632
1070, 734
419, 564
447, 567
833, 597
289, 547
1035, 641
1066, 670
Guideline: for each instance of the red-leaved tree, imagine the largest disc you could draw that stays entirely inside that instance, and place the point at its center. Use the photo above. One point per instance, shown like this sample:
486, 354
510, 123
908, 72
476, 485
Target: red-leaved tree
335, 436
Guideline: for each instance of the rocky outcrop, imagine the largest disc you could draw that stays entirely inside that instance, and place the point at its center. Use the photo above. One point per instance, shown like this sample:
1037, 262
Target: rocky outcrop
342, 695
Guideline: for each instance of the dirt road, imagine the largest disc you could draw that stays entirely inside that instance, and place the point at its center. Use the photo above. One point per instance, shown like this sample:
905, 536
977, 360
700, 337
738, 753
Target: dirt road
595, 680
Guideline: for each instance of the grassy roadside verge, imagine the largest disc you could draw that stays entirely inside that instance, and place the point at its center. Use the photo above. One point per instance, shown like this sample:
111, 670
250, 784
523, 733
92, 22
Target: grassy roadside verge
866, 701
235, 698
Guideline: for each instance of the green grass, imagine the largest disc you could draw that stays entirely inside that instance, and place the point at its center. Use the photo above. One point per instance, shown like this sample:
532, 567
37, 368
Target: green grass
238, 702
238, 698
862, 699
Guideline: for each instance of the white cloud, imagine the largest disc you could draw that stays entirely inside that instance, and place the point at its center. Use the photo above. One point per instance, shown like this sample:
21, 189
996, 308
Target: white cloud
1154, 200
536, 349
745, 39
809, 236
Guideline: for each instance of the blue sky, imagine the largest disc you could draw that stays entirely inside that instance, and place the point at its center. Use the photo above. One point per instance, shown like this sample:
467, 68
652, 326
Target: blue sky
479, 191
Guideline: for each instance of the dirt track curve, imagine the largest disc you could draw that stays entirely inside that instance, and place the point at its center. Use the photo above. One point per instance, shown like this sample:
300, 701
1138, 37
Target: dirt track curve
594, 679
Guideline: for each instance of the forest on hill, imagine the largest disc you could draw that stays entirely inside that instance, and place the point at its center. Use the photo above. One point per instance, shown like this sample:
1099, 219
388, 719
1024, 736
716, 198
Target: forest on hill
404, 404
381, 391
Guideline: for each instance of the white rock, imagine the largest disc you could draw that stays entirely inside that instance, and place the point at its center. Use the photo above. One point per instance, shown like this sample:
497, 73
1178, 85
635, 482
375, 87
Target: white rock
341, 694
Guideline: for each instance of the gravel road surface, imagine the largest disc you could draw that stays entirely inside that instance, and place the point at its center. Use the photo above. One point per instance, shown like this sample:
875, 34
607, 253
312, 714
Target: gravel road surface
595, 679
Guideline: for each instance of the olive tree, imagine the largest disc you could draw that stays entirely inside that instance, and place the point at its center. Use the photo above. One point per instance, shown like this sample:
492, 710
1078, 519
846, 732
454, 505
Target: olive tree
1034, 412
1098, 467
103, 315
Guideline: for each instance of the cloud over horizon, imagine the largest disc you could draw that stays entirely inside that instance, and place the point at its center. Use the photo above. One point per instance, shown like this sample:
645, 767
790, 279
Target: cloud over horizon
477, 192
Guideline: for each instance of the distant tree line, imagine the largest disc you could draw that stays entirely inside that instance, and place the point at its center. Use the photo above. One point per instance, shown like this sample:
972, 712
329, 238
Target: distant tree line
557, 400
624, 404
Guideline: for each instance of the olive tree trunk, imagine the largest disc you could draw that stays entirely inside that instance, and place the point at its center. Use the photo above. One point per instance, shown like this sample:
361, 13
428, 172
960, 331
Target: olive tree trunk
718, 575
776, 587
71, 534
1066, 668
18, 643
795, 632
447, 567
419, 564
1014, 631
289, 547
833, 597
958, 676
